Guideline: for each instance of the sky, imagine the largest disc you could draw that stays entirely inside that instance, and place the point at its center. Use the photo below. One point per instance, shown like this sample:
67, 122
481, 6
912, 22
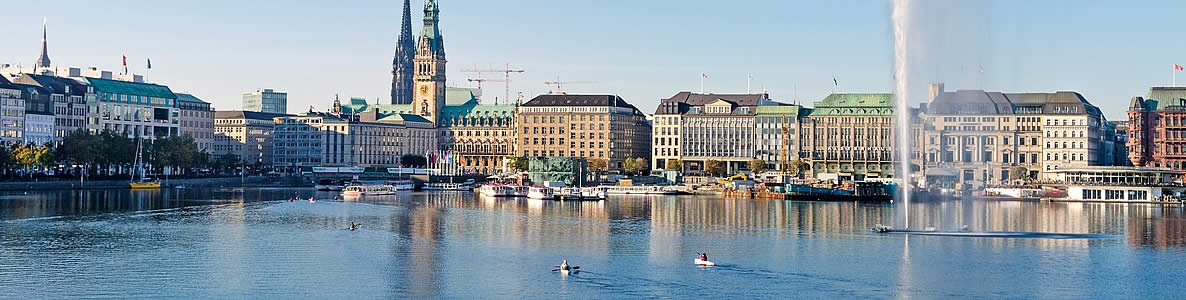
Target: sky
645, 51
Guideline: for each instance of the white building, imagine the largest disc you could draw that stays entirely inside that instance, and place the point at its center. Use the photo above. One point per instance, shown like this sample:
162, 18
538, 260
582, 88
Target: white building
1120, 184
39, 128
12, 113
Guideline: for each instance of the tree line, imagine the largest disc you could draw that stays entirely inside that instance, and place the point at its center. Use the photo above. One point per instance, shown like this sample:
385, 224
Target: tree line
108, 154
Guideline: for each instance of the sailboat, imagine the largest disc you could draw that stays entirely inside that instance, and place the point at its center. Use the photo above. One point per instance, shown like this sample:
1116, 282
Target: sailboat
143, 182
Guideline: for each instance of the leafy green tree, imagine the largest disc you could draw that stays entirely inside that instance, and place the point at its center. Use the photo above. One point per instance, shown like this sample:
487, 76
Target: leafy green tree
412, 160
630, 166
519, 164
756, 166
714, 167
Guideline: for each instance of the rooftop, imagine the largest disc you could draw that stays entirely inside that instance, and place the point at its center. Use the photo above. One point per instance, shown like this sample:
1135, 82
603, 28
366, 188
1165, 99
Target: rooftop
239, 114
854, 104
577, 100
183, 97
130, 88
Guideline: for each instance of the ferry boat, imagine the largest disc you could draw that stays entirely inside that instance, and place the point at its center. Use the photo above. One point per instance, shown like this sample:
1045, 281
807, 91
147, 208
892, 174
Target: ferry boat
327, 184
441, 186
368, 190
403, 185
595, 192
541, 193
497, 190
640, 190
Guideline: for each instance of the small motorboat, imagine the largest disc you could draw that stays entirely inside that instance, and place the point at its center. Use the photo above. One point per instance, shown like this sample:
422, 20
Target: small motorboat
703, 262
881, 228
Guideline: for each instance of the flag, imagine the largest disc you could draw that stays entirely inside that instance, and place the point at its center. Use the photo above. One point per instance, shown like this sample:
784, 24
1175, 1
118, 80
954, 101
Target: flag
834, 81
125, 64
1177, 67
703, 75
149, 63
310, 108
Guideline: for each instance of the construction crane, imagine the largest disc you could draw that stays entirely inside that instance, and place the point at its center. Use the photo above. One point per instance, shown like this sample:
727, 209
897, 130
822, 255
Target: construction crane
506, 71
559, 83
481, 80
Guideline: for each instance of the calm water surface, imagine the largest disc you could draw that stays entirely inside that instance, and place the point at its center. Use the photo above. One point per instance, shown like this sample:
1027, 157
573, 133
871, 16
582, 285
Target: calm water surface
234, 243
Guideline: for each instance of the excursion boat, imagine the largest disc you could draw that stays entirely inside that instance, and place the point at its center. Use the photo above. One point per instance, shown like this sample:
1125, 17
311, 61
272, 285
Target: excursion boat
640, 190
596, 192
328, 185
403, 185
369, 190
441, 186
563, 193
541, 193
497, 190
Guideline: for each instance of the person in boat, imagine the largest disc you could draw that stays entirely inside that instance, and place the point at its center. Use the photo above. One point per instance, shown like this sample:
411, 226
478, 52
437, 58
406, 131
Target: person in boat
353, 226
704, 256
564, 265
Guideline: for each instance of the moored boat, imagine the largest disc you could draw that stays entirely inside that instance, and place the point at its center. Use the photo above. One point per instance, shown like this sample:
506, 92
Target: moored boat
368, 190
639, 190
499, 190
541, 193
402, 185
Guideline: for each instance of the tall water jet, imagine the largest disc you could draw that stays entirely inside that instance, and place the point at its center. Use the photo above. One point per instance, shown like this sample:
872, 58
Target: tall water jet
900, 18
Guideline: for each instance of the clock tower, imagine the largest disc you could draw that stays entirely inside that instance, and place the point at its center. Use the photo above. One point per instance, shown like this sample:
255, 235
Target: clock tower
429, 78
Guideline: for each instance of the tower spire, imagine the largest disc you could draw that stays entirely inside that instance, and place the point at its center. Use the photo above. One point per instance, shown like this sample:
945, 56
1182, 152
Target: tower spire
43, 61
405, 50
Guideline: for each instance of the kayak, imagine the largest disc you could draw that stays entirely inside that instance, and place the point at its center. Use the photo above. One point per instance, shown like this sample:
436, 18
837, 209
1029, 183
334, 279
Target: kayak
703, 262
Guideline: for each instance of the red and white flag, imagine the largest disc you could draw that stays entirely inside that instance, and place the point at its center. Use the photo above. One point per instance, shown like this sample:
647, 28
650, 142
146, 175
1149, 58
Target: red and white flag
703, 75
1177, 67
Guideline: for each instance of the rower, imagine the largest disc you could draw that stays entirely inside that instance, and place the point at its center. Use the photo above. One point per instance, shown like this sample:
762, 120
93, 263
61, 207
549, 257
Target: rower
704, 256
564, 265
352, 226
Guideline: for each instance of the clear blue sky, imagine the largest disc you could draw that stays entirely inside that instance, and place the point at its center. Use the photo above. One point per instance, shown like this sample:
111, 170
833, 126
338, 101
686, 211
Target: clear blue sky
643, 50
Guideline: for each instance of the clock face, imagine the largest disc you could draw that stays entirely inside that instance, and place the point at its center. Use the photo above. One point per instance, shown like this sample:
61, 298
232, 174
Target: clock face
424, 90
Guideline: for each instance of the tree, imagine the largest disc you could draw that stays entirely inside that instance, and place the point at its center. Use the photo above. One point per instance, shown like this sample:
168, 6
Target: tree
674, 164
643, 165
799, 166
31, 157
226, 161
519, 164
756, 166
414, 161
598, 164
714, 167
1019, 172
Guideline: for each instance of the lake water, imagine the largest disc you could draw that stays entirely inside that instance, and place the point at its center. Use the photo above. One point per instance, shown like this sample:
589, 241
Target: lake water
254, 243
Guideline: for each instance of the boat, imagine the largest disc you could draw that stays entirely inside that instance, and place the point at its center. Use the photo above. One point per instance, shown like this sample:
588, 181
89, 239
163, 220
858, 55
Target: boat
403, 185
703, 262
541, 193
595, 192
327, 184
498, 190
442, 186
639, 190
368, 190
144, 182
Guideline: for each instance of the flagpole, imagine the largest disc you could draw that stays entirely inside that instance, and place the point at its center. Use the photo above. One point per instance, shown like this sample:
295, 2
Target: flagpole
702, 83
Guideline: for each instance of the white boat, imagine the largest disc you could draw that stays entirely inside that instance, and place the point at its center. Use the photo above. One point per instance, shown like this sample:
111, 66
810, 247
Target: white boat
639, 190
594, 192
703, 262
403, 185
519, 190
541, 193
498, 190
368, 190
441, 186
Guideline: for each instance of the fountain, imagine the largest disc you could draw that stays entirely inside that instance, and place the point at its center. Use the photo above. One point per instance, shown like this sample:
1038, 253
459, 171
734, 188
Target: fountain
899, 11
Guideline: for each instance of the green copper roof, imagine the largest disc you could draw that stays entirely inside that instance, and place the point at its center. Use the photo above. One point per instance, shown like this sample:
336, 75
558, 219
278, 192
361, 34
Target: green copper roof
459, 103
855, 105
1162, 98
188, 98
782, 110
131, 88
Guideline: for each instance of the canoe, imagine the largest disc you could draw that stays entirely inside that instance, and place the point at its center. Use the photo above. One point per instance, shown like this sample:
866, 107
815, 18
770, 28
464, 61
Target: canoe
703, 262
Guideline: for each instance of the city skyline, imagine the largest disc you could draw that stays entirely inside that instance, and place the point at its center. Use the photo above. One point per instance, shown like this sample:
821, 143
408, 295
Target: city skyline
194, 48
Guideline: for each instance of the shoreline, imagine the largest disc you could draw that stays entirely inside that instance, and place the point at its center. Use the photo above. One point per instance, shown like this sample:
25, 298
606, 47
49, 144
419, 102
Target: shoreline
263, 181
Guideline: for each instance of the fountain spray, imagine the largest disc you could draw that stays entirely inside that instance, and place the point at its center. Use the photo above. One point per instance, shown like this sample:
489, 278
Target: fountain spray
899, 11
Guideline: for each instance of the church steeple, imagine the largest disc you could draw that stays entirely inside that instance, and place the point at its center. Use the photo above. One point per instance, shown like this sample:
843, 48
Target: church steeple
402, 65
43, 61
